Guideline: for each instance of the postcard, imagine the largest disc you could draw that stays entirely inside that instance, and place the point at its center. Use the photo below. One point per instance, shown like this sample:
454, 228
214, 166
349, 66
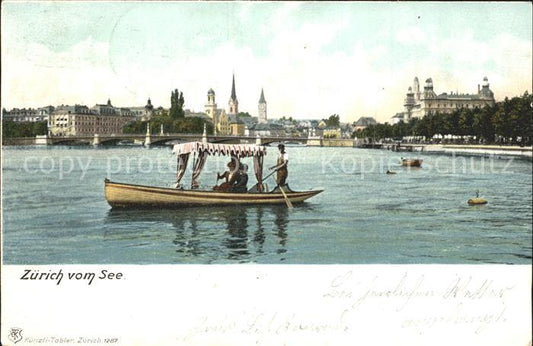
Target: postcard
266, 173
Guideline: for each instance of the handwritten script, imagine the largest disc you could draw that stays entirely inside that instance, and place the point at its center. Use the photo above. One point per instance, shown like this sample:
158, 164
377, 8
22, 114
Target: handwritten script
346, 303
419, 303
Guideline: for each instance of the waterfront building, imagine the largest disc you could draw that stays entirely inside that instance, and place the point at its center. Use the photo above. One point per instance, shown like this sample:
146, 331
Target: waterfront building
104, 109
143, 113
397, 118
233, 103
363, 123
262, 108
418, 104
331, 132
44, 112
222, 125
237, 125
249, 121
346, 130
266, 130
79, 120
28, 115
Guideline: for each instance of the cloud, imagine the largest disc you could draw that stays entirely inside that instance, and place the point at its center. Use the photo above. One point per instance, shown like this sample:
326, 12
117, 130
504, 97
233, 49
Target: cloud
411, 35
305, 68
33, 75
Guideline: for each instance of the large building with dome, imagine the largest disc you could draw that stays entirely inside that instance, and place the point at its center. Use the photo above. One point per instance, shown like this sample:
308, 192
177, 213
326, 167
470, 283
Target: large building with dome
418, 103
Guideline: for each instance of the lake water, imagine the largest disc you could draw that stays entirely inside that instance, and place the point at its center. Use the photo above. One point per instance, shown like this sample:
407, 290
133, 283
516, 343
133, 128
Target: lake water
54, 210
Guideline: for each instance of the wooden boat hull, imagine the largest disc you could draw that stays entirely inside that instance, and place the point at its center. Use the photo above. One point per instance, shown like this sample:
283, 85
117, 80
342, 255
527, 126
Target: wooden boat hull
411, 162
120, 195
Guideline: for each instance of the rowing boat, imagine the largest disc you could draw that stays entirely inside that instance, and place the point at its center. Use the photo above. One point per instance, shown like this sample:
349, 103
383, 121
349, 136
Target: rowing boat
123, 195
120, 195
412, 162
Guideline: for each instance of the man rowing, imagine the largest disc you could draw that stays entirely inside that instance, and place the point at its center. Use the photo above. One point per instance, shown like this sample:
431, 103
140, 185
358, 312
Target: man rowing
281, 166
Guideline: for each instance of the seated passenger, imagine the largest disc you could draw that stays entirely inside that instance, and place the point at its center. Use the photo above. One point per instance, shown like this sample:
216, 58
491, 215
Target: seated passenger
230, 176
242, 179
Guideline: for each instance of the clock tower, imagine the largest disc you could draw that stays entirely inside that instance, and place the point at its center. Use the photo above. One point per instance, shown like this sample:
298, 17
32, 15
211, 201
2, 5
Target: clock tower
262, 107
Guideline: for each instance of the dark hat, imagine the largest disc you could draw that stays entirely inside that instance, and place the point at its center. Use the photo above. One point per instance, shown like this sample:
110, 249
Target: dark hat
281, 146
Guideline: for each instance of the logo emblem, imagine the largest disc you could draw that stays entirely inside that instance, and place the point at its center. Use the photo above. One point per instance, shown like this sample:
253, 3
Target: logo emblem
15, 334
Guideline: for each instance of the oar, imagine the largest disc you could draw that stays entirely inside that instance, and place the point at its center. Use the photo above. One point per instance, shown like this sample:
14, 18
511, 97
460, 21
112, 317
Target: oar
265, 178
287, 200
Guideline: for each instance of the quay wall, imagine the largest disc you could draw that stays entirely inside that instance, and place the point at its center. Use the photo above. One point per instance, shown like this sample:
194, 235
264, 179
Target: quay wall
337, 142
469, 150
320, 142
480, 150
18, 141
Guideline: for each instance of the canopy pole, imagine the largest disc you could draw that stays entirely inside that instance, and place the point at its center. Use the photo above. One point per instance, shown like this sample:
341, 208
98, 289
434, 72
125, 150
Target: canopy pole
258, 168
193, 165
204, 136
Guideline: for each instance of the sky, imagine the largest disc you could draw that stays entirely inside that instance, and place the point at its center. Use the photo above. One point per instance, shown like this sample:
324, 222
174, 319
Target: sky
312, 59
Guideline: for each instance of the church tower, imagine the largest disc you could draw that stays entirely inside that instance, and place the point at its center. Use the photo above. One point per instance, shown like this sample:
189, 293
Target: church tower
148, 110
211, 105
233, 103
262, 115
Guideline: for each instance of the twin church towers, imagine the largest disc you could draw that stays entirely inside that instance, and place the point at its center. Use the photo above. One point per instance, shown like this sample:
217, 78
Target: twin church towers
233, 105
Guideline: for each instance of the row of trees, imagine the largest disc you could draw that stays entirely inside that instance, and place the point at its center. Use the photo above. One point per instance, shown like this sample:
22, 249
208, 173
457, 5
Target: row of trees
333, 121
181, 125
176, 105
12, 129
508, 121
173, 121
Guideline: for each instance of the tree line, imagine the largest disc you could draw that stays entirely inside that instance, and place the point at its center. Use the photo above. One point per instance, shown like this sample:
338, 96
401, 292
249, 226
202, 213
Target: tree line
13, 129
173, 120
170, 125
507, 122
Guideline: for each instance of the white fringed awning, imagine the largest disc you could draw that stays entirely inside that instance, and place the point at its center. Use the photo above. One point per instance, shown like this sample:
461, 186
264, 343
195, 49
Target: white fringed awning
239, 150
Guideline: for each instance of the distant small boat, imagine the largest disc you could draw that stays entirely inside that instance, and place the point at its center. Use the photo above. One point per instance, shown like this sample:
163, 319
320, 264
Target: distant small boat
287, 144
412, 162
295, 144
477, 200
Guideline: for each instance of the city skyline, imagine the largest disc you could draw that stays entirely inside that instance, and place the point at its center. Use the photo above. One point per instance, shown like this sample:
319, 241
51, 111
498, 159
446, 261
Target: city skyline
311, 59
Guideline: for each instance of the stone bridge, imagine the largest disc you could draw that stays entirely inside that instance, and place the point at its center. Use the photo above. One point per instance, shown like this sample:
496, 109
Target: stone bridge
165, 139
152, 139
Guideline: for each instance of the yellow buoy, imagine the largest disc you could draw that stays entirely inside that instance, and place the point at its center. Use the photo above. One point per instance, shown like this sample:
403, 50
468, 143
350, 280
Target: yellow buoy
477, 200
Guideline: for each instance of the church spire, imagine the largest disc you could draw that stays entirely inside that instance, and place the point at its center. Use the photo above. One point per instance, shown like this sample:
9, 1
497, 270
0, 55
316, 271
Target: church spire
233, 93
233, 103
262, 98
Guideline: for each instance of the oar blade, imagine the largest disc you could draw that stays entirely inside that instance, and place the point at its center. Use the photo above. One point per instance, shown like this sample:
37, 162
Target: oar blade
287, 200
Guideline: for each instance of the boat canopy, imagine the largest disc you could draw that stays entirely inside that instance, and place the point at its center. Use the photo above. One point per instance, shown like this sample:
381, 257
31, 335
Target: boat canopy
238, 150
203, 149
